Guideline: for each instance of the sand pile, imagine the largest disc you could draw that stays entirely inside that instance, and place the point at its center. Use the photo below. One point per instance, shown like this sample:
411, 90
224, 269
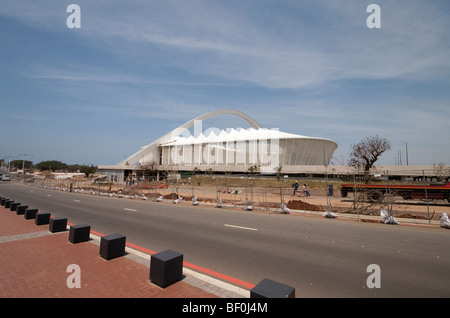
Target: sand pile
301, 205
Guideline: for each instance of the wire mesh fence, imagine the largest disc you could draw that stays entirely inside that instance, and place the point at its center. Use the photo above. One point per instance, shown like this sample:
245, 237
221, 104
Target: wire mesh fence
253, 192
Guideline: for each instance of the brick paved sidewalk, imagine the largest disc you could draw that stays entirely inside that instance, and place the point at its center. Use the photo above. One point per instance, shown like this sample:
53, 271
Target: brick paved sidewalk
34, 263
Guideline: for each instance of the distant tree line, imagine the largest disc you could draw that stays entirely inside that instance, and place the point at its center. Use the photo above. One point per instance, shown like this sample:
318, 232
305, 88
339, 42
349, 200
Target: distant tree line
52, 165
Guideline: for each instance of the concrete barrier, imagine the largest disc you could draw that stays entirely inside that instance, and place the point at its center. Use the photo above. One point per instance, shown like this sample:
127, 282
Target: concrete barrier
30, 214
57, 225
79, 233
21, 209
8, 204
14, 206
42, 218
166, 268
112, 246
268, 288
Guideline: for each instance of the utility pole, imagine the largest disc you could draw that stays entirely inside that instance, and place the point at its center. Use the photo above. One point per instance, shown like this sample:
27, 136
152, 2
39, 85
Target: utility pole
23, 162
406, 143
8, 164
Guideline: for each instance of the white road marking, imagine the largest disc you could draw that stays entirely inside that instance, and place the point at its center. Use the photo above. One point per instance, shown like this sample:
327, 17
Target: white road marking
77, 200
241, 227
133, 210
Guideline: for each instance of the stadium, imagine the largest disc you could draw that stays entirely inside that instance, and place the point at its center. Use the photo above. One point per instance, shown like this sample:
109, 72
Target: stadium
231, 150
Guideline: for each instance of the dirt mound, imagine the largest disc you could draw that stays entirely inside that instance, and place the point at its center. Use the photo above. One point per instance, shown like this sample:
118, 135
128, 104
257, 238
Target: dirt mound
174, 196
301, 205
171, 196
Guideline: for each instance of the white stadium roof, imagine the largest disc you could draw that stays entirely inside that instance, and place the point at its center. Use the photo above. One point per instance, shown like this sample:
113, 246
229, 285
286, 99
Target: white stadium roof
302, 149
238, 134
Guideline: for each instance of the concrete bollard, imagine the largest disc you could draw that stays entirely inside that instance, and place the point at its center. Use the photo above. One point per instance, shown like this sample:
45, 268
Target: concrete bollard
57, 225
112, 246
166, 268
79, 233
21, 209
30, 214
268, 288
42, 218
8, 204
14, 206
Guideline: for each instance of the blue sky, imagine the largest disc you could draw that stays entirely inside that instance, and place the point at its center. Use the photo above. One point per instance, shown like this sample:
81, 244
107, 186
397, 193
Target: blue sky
137, 69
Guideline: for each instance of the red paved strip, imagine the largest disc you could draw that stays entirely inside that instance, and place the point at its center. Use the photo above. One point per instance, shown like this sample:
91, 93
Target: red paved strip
144, 250
190, 265
218, 275
37, 267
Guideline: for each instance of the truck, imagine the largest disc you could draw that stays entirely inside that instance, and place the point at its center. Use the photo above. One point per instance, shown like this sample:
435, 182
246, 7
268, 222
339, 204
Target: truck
376, 192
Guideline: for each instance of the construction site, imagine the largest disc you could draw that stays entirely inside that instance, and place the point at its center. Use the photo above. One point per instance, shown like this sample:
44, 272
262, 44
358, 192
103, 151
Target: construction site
254, 169
253, 193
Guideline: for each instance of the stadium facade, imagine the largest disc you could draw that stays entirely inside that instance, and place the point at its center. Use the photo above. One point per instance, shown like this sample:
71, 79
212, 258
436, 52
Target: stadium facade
233, 150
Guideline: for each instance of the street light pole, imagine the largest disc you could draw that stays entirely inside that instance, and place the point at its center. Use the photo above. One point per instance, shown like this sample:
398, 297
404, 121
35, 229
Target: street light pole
23, 163
407, 163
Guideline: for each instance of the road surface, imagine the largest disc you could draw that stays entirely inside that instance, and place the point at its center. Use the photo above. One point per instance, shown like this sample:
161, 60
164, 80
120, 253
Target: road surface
317, 256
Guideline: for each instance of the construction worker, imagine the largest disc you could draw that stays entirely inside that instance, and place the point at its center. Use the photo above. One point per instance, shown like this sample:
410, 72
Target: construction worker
305, 191
295, 187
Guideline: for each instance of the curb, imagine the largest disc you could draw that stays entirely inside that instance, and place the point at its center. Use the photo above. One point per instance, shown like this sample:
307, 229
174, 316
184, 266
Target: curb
370, 218
205, 282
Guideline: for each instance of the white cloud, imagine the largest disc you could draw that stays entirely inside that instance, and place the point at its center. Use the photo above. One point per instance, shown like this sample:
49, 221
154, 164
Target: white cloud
230, 40
291, 62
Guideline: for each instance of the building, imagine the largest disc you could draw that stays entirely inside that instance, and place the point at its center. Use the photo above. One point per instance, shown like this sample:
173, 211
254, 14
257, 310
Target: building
240, 149
232, 150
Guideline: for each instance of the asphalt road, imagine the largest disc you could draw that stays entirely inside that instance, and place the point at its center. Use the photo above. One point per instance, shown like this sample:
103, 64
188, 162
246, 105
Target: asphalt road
320, 257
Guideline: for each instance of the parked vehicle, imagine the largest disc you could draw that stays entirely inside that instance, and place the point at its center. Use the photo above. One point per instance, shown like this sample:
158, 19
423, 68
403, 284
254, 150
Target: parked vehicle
433, 191
6, 177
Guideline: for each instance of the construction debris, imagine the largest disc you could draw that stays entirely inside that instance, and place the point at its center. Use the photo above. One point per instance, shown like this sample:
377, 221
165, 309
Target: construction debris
445, 222
387, 219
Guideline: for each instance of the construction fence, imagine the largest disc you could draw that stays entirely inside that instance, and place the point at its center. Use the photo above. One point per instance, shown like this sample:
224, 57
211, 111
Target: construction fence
245, 192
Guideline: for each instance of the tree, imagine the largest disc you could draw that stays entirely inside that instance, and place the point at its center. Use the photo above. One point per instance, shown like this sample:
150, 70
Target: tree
149, 168
365, 153
73, 168
52, 165
87, 170
17, 164
254, 169
441, 171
